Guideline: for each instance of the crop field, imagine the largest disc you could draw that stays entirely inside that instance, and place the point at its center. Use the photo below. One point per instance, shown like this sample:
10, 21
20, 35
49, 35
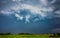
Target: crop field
26, 36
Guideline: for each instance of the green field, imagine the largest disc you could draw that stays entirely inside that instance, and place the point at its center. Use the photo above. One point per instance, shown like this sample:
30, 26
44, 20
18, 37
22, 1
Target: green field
26, 36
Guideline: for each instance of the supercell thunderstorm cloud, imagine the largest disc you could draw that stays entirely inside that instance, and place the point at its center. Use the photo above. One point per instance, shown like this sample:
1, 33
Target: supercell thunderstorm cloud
30, 16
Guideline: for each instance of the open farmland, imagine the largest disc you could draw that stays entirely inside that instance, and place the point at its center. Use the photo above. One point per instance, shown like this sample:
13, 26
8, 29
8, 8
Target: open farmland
27, 36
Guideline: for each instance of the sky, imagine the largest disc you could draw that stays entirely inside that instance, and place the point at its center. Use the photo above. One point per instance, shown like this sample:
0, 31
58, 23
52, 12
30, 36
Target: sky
29, 16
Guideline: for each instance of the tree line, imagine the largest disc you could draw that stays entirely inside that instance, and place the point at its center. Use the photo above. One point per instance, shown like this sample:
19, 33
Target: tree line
11, 33
55, 35
51, 35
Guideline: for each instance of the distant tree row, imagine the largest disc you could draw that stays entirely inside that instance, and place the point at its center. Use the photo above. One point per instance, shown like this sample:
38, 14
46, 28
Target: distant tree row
18, 33
25, 33
51, 35
5, 33
55, 35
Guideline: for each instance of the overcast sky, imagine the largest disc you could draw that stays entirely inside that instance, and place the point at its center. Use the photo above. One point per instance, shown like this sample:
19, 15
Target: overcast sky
29, 16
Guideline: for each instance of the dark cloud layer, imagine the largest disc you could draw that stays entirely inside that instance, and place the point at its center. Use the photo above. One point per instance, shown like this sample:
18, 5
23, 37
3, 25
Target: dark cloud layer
11, 22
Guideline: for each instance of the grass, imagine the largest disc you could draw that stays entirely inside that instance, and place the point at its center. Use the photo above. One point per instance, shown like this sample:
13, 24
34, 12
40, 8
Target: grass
27, 36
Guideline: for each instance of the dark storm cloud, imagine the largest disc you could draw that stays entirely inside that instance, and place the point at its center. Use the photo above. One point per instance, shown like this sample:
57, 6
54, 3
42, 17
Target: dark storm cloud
11, 24
57, 16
